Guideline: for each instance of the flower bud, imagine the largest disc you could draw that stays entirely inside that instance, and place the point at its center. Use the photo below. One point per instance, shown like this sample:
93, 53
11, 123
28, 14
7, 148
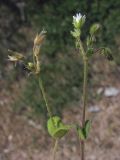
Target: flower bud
30, 65
90, 52
94, 28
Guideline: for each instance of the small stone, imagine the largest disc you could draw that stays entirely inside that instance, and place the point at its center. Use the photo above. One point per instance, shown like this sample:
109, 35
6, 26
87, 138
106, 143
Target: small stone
111, 91
10, 137
92, 157
94, 109
33, 124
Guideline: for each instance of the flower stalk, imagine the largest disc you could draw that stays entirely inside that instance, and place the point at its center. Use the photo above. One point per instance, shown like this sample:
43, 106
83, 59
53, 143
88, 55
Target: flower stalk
36, 61
84, 103
86, 51
85, 68
85, 89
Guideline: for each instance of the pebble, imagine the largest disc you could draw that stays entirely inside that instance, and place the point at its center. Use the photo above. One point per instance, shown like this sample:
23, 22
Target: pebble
33, 124
94, 109
111, 91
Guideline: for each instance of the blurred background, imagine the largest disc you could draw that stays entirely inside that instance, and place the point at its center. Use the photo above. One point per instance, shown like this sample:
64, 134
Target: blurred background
23, 114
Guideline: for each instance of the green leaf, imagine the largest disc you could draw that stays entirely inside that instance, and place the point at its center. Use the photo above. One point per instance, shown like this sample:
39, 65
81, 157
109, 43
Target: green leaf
81, 133
84, 132
61, 131
52, 127
87, 128
107, 53
90, 52
90, 41
56, 128
76, 33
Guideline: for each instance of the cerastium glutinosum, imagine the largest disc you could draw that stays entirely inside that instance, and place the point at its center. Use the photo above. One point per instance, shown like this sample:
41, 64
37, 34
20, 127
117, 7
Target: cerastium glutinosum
56, 128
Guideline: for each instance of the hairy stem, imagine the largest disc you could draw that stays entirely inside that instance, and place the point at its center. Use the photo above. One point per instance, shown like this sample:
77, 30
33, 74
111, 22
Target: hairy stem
85, 61
85, 90
84, 104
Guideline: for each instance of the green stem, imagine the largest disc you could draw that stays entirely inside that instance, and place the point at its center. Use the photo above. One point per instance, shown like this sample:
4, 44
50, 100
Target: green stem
34, 60
55, 149
84, 104
50, 114
45, 99
85, 89
85, 61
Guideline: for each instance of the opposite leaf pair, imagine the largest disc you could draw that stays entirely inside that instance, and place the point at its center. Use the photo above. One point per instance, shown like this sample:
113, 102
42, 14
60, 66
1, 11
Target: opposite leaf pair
84, 132
57, 129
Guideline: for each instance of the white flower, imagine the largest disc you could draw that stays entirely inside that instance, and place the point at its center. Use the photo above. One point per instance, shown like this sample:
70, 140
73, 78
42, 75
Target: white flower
77, 17
78, 20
